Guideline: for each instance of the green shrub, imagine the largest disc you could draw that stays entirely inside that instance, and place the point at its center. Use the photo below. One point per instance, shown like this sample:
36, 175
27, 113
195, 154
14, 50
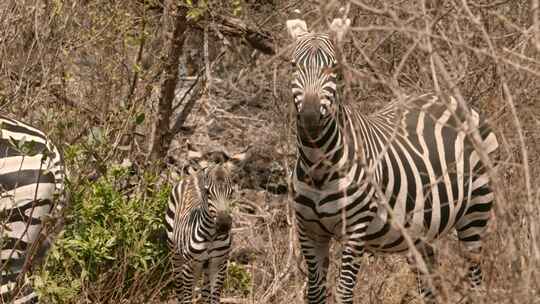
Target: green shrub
238, 280
113, 241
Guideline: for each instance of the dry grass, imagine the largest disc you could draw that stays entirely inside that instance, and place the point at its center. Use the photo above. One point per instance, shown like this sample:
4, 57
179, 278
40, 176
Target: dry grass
74, 70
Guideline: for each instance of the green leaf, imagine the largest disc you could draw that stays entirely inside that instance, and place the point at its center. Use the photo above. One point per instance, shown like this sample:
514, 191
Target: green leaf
140, 118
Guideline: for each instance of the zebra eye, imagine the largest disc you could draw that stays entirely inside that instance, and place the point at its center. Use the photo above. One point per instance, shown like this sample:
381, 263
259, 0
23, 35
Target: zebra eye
323, 110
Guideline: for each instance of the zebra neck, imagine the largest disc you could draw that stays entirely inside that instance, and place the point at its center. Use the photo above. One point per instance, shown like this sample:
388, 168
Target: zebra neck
330, 155
203, 220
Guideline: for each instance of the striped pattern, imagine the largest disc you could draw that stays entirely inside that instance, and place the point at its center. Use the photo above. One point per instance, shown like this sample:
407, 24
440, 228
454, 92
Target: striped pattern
32, 184
198, 227
358, 178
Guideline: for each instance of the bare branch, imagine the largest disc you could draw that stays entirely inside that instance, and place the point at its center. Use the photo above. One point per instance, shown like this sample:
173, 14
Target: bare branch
161, 134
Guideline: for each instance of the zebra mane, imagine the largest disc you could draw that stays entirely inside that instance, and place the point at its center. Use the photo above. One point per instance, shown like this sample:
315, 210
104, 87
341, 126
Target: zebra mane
213, 174
217, 173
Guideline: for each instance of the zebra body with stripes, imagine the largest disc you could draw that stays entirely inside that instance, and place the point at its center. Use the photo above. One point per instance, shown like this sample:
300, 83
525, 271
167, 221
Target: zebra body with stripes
365, 179
198, 227
31, 187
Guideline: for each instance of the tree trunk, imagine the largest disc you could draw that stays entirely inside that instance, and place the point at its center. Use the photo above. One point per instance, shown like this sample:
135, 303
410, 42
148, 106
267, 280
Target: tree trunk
162, 135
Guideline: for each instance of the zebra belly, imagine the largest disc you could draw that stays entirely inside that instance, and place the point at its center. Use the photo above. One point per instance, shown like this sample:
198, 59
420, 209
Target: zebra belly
396, 233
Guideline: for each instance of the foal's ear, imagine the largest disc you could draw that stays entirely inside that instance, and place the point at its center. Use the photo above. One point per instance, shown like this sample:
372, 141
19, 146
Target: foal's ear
296, 27
339, 27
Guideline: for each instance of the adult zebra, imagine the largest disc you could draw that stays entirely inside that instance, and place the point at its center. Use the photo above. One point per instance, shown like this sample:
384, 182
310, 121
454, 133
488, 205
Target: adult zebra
32, 184
365, 179
198, 226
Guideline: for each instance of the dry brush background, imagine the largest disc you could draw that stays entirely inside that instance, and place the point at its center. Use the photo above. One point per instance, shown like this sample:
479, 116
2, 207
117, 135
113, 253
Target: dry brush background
135, 84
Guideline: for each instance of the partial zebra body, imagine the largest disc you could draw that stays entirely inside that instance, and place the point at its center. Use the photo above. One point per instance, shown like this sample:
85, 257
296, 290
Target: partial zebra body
198, 229
31, 185
367, 179
422, 160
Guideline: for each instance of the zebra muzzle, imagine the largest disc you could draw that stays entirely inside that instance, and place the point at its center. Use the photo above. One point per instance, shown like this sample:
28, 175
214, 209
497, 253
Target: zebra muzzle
309, 118
309, 131
223, 222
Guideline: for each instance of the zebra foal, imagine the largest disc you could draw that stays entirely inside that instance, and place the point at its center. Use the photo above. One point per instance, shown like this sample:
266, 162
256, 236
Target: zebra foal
198, 225
31, 185
360, 178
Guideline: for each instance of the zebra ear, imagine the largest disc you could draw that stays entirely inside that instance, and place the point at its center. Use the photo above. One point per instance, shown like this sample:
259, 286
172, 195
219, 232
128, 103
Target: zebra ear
203, 180
339, 27
296, 27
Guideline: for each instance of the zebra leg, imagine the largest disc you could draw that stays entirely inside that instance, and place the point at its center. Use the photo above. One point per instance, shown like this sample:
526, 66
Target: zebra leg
350, 264
474, 271
217, 278
471, 229
315, 253
190, 274
177, 262
186, 274
214, 276
206, 289
424, 280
